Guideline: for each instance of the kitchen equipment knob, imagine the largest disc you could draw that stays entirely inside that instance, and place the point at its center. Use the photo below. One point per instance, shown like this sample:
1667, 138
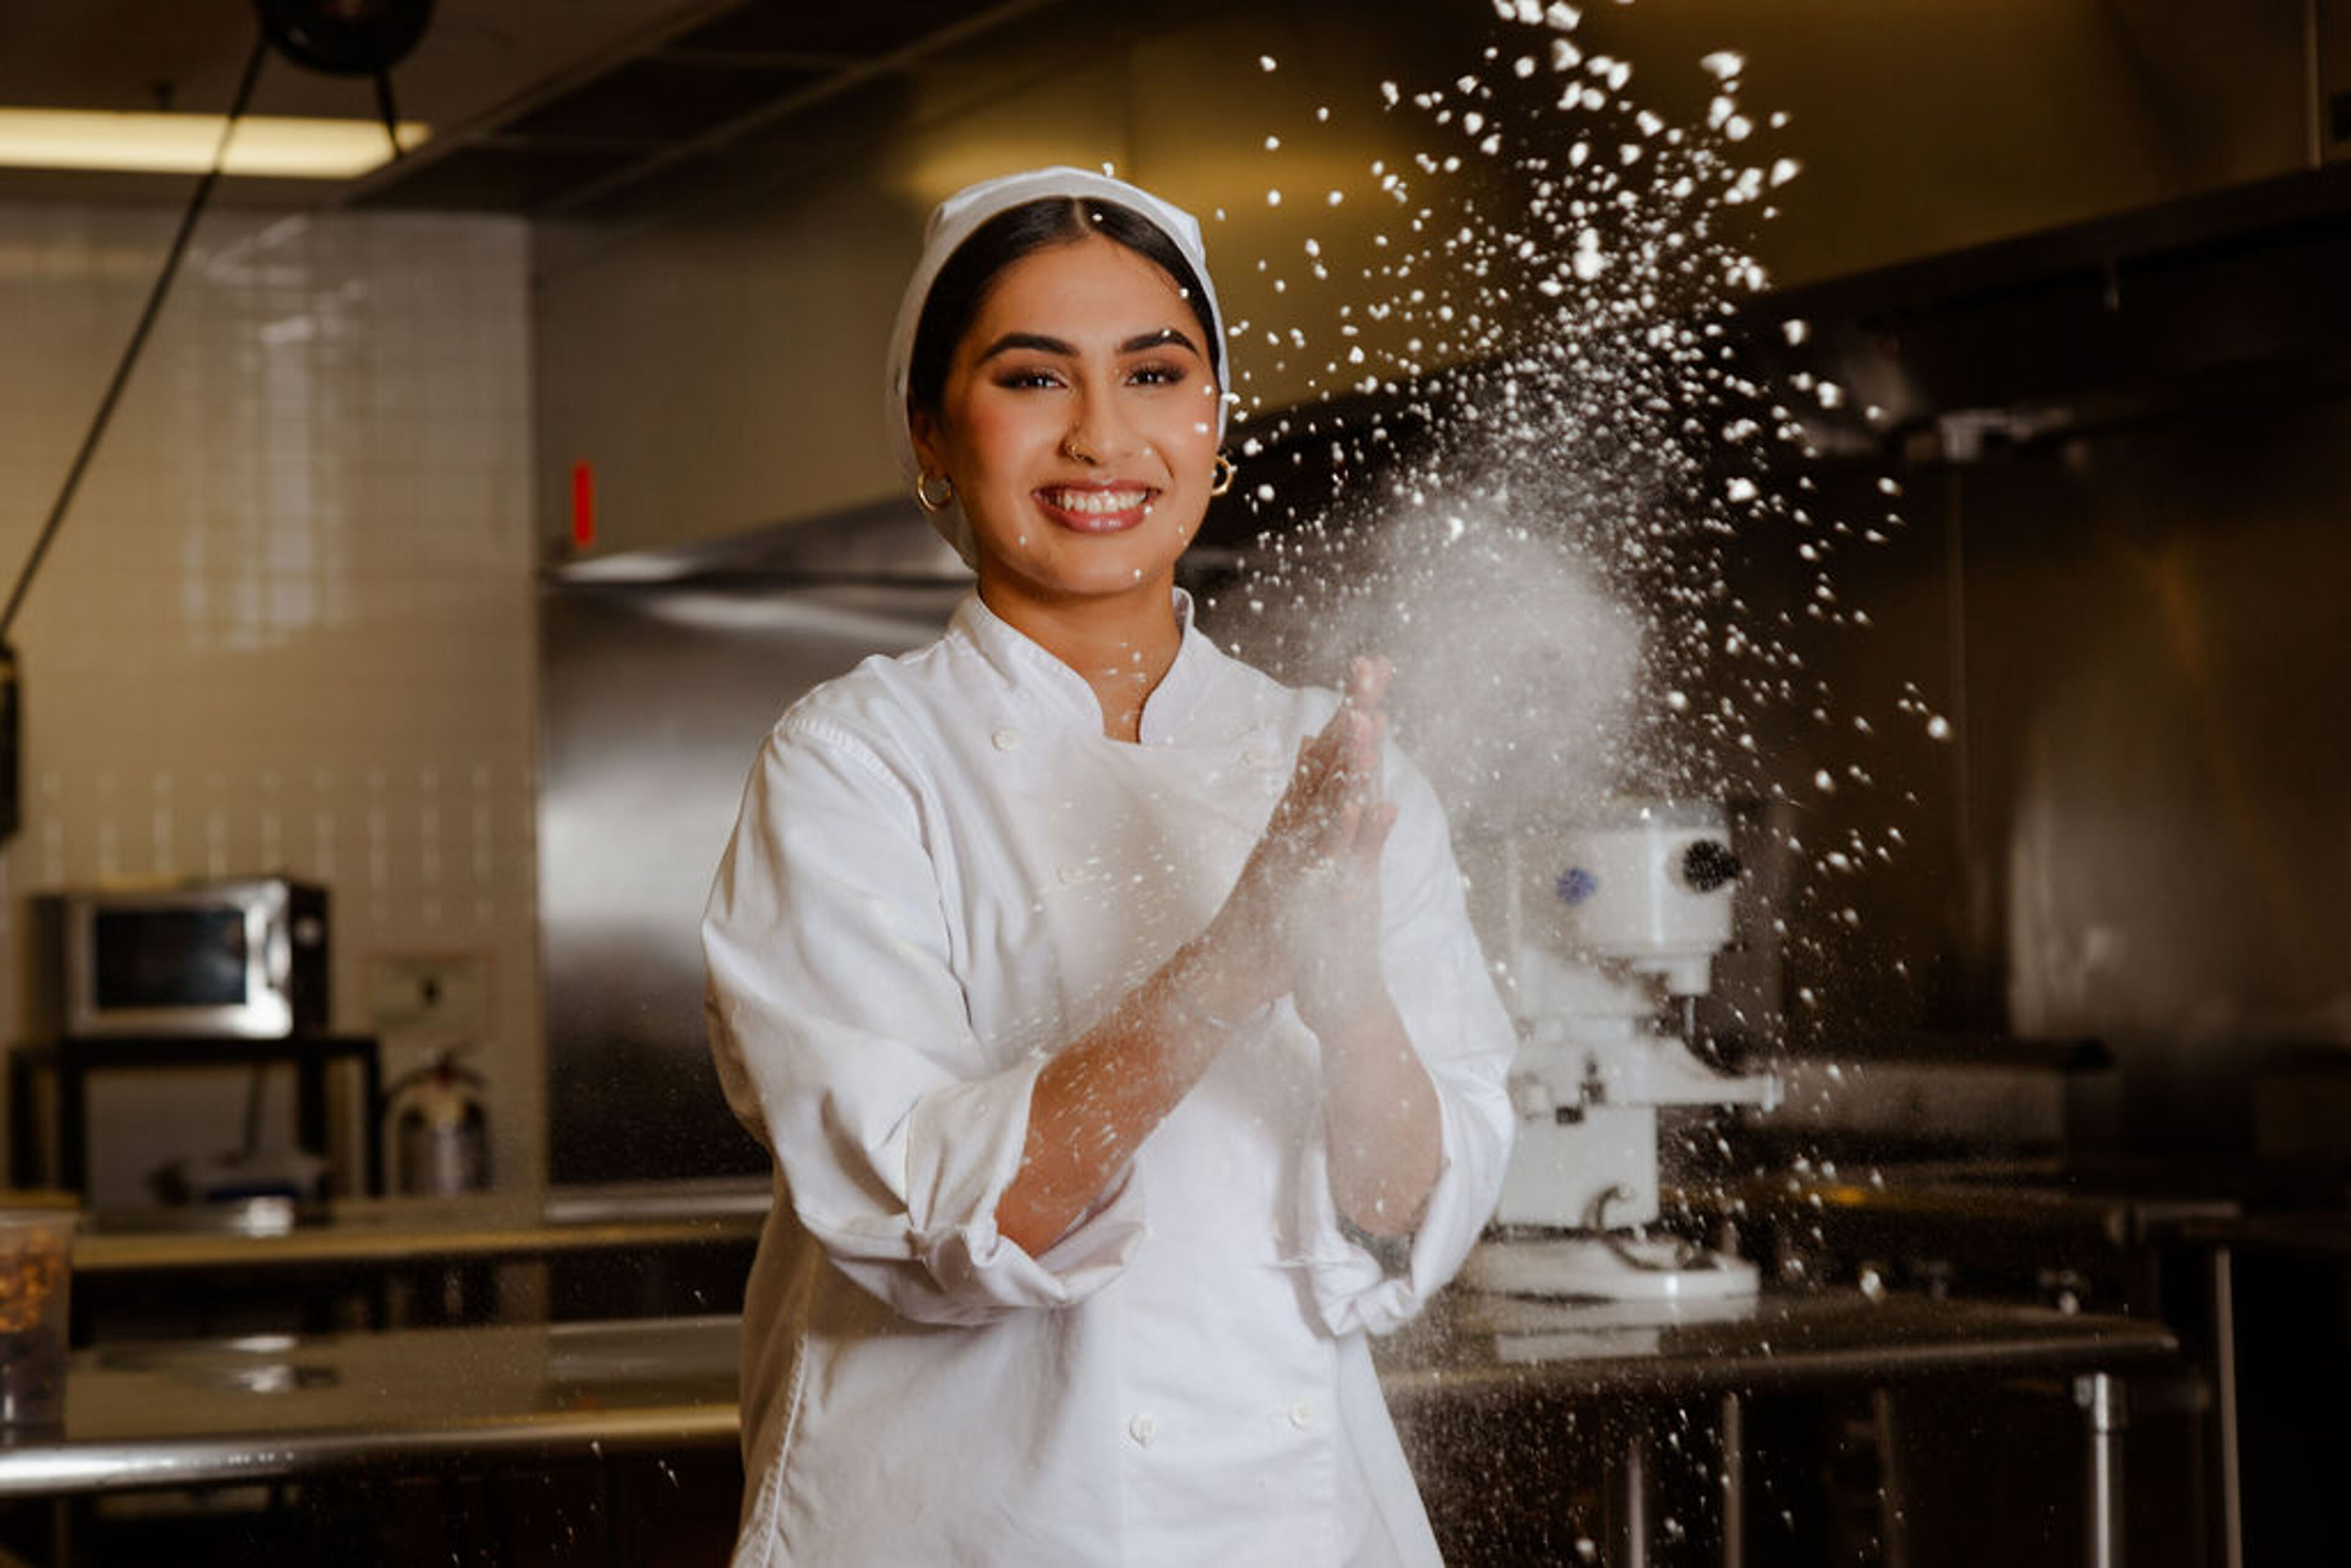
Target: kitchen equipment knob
1708, 864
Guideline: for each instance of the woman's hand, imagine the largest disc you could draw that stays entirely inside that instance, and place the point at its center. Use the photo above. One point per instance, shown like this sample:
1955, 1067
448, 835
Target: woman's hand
1306, 906
1335, 939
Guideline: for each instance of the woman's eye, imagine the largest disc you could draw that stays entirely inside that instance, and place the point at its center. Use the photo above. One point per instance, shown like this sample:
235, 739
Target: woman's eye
1157, 375
1026, 380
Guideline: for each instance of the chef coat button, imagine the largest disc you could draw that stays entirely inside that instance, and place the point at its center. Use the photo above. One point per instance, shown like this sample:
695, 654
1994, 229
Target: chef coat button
1141, 1430
1007, 739
1301, 1414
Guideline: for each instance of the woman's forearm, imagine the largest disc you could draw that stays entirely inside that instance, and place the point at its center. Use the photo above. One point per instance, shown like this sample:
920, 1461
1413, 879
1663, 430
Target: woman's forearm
1386, 1136
1098, 1098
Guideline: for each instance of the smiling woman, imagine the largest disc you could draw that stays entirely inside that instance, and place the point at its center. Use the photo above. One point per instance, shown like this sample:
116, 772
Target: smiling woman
1081, 458
1109, 1011
1072, 337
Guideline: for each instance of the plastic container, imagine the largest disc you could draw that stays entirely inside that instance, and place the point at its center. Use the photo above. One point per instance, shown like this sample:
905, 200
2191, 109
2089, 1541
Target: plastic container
35, 1278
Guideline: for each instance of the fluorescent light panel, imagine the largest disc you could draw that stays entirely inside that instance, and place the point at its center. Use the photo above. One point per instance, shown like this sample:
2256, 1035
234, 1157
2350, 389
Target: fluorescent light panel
268, 146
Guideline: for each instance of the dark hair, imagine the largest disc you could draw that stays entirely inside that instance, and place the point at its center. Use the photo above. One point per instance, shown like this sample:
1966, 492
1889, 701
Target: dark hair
962, 285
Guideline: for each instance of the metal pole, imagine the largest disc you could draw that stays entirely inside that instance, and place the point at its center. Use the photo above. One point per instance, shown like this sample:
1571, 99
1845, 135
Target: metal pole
1893, 1493
1633, 1505
2101, 1401
2224, 1406
1734, 1483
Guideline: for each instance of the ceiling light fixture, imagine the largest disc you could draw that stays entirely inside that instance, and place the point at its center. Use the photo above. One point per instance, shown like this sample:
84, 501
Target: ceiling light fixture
264, 146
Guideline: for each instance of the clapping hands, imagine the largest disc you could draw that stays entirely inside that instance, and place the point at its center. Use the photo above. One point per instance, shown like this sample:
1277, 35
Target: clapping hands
1308, 898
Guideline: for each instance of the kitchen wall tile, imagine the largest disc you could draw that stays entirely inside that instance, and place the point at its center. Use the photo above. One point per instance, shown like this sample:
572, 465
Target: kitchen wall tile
289, 624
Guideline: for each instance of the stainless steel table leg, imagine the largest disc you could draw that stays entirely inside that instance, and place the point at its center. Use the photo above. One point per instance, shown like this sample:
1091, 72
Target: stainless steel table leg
2101, 1400
2224, 1408
1893, 1489
1633, 1504
1734, 1482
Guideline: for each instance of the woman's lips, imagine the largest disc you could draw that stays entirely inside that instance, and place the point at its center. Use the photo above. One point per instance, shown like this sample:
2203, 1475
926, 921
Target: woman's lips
1096, 508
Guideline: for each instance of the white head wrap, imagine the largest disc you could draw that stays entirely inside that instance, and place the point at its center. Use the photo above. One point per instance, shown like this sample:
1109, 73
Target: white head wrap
952, 224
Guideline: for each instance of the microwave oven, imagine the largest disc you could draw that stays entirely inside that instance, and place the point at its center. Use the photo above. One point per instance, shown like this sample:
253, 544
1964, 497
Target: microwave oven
243, 960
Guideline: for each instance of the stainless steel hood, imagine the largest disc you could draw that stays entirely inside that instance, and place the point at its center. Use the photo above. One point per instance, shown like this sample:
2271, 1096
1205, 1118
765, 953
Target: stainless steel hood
660, 674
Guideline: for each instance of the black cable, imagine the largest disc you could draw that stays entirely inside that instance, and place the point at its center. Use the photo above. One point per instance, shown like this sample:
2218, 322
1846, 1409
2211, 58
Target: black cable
383, 108
138, 337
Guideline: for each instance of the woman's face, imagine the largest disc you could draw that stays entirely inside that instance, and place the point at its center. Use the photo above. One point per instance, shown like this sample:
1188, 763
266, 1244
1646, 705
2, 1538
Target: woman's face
1078, 424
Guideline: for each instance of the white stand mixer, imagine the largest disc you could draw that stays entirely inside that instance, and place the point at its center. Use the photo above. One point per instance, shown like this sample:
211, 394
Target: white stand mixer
1617, 917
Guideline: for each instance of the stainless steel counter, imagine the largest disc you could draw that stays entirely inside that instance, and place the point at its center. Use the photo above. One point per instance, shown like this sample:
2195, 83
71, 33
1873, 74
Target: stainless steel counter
272, 1234
1470, 1346
2323, 1234
190, 1413
200, 1413
2046, 1206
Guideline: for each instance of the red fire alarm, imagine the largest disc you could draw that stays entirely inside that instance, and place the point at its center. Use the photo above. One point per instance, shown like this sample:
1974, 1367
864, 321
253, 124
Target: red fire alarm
583, 504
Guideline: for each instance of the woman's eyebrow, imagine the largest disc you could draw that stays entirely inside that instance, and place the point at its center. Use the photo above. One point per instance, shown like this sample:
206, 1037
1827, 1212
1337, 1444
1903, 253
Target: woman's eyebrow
1038, 342
1034, 342
1159, 338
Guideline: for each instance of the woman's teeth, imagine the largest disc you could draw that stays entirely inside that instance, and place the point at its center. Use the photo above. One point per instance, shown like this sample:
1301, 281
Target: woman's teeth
1103, 502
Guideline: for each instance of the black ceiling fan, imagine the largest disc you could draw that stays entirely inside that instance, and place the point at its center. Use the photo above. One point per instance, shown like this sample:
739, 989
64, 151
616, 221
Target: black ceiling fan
346, 37
349, 37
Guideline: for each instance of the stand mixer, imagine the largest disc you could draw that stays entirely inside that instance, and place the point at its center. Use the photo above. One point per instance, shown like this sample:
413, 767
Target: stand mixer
1613, 926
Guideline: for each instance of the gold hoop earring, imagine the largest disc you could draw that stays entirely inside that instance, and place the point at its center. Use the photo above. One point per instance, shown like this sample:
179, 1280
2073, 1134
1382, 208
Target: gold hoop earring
933, 505
1226, 474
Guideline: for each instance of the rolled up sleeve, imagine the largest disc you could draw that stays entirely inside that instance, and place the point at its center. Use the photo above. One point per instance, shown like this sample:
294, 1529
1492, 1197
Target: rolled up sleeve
844, 1043
1445, 994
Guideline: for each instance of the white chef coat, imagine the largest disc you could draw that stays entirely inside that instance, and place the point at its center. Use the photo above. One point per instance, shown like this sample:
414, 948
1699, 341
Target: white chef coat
944, 871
